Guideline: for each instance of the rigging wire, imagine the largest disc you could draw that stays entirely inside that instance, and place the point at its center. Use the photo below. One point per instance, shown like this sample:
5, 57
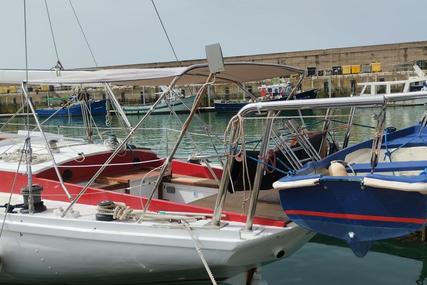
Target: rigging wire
25, 41
58, 62
27, 122
83, 33
166, 33
8, 206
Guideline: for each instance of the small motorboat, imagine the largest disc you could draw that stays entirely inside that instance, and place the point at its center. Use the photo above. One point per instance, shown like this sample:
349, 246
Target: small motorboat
268, 93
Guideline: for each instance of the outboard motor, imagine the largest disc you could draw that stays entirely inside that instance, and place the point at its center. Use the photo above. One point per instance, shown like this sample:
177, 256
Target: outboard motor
37, 199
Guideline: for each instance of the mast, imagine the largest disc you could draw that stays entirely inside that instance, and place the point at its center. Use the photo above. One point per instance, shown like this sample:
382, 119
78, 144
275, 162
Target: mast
28, 150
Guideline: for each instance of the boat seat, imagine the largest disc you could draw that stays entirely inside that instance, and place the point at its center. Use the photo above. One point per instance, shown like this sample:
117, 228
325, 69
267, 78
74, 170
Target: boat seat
390, 166
193, 181
127, 177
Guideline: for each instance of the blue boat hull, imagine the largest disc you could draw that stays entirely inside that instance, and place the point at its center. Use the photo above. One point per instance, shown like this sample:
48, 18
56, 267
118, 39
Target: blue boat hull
344, 210
96, 108
352, 209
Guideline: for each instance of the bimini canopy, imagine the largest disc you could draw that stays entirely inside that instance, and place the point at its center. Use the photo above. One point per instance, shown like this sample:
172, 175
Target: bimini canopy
194, 74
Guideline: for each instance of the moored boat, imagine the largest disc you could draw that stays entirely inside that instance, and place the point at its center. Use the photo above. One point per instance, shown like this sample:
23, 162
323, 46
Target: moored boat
174, 104
370, 191
125, 234
234, 106
94, 107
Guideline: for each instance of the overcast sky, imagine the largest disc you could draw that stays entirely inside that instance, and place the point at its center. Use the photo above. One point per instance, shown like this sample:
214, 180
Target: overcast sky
128, 31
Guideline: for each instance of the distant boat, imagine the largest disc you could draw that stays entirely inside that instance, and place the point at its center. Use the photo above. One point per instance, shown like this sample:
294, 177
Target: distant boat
177, 104
96, 107
234, 106
411, 84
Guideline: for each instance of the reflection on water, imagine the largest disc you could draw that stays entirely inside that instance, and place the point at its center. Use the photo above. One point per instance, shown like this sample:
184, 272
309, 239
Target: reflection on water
160, 131
327, 261
322, 261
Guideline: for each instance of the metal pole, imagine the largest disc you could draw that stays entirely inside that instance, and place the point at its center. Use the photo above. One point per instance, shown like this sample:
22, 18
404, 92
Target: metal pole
258, 173
222, 191
28, 160
350, 121
117, 105
325, 129
209, 95
167, 142
293, 92
24, 91
184, 129
120, 146
349, 126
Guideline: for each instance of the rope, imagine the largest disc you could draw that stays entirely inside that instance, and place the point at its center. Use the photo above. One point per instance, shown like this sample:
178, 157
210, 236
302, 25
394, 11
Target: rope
25, 42
268, 165
166, 33
27, 122
200, 253
52, 34
83, 33
86, 119
354, 124
111, 164
121, 212
377, 140
387, 152
108, 115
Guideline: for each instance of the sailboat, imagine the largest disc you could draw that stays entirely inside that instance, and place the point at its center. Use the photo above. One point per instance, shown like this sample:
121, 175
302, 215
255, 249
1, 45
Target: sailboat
70, 228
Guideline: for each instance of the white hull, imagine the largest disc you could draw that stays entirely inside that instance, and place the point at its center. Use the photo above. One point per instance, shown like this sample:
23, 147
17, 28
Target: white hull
50, 249
179, 106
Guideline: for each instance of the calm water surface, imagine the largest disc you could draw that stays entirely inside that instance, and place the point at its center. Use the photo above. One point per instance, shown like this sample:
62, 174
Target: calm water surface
323, 260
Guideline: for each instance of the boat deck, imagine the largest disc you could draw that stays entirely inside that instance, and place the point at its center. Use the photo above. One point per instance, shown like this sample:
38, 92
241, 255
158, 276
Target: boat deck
268, 204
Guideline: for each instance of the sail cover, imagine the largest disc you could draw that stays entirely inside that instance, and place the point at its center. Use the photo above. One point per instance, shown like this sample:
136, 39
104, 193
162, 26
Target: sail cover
194, 74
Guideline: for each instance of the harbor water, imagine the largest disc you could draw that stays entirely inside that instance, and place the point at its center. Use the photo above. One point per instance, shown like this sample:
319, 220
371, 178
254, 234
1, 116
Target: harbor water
321, 261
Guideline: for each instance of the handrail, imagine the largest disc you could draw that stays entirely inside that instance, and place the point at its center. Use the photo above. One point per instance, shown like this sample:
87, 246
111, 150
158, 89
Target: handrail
365, 101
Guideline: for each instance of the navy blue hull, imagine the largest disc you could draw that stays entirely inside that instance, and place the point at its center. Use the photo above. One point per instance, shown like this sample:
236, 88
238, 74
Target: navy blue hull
96, 108
344, 210
236, 106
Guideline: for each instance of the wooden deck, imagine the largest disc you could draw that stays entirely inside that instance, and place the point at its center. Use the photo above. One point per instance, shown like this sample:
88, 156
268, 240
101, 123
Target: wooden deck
268, 204
193, 181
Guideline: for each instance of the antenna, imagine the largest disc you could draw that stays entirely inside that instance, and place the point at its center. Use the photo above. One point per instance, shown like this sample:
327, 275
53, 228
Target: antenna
215, 58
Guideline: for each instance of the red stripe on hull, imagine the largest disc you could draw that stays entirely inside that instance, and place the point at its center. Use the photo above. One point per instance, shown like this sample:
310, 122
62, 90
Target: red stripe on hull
52, 191
195, 170
356, 217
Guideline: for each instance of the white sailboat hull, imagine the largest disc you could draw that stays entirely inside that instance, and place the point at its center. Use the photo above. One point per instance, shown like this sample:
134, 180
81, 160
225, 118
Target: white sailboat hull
50, 249
179, 105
